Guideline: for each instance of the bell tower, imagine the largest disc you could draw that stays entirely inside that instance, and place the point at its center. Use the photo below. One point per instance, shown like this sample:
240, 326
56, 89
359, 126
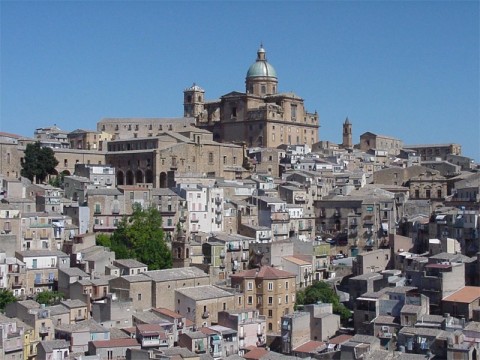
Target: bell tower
193, 101
181, 250
347, 134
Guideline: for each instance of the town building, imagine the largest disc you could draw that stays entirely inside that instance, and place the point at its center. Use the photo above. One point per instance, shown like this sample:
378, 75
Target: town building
261, 116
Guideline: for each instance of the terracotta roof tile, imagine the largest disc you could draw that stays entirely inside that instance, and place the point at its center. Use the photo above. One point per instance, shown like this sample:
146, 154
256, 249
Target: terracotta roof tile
310, 346
340, 339
115, 343
467, 294
265, 272
255, 353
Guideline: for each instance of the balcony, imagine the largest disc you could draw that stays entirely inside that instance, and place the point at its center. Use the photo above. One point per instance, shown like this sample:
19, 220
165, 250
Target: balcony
218, 218
300, 198
44, 281
218, 209
194, 219
17, 285
43, 330
205, 315
280, 217
218, 200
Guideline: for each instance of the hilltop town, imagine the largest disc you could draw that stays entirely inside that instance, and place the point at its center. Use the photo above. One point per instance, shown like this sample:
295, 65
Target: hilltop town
281, 245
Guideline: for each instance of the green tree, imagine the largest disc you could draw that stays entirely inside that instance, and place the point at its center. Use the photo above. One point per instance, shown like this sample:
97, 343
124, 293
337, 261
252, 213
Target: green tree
6, 297
49, 297
38, 162
320, 291
141, 236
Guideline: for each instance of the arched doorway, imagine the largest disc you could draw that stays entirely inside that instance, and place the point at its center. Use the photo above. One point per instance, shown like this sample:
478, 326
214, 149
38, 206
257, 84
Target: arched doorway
129, 177
163, 180
139, 177
66, 173
120, 178
149, 176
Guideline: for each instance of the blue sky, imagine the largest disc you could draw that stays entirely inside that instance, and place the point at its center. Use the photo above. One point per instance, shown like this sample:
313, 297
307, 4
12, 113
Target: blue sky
404, 69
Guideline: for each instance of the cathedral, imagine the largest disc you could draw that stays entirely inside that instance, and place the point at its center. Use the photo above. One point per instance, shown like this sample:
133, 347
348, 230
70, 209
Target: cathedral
259, 117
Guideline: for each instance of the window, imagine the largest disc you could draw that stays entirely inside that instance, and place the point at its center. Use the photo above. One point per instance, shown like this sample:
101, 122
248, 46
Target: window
279, 300
286, 285
250, 285
270, 300
270, 286
234, 111
427, 193
250, 300
224, 159
270, 327
264, 89
210, 158
270, 313
294, 112
139, 297
286, 299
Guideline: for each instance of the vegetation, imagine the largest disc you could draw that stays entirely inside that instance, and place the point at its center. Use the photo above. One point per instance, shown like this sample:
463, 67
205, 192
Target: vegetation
6, 297
38, 163
320, 291
49, 297
57, 181
140, 236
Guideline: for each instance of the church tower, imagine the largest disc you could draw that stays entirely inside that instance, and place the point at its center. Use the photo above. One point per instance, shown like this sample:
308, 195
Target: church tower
347, 134
261, 77
181, 250
193, 101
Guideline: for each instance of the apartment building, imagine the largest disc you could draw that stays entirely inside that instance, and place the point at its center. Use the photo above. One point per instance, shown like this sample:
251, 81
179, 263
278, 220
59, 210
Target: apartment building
269, 290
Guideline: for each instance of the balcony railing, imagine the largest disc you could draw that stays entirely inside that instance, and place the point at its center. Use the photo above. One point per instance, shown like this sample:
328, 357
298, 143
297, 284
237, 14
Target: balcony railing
280, 217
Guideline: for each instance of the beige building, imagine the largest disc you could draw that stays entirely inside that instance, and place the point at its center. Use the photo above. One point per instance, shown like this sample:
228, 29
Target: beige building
434, 151
127, 128
201, 304
271, 291
260, 116
370, 140
88, 139
157, 159
68, 158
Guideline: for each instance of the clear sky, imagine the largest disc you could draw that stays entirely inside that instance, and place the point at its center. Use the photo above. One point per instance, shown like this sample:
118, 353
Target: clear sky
404, 69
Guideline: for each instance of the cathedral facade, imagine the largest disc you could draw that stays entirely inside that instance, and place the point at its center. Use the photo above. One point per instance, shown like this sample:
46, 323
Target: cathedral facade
259, 117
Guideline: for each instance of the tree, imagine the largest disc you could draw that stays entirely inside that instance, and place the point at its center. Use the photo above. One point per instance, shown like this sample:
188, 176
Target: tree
49, 297
38, 162
141, 236
321, 291
6, 297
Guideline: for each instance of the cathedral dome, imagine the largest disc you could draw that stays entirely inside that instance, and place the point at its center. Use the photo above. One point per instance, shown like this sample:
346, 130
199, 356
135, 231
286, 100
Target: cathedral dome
261, 67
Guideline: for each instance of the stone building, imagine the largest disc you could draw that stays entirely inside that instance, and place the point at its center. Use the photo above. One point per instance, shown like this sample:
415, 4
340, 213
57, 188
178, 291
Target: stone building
88, 139
429, 185
156, 160
260, 116
435, 151
370, 140
127, 128
68, 158
269, 290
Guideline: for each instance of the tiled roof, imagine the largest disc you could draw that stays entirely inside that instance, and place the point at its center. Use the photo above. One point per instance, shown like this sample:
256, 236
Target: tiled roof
340, 339
467, 295
297, 261
168, 312
127, 342
310, 346
255, 353
265, 272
